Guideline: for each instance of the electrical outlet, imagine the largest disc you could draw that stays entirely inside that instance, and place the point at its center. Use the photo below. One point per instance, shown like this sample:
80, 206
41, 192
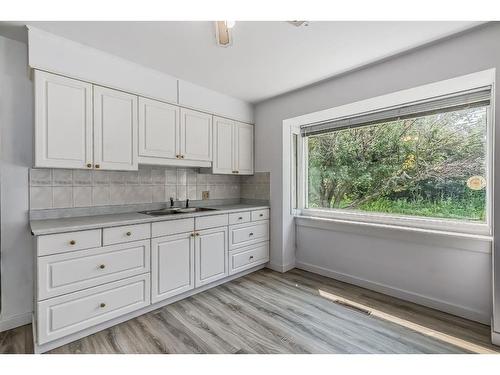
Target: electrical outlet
205, 195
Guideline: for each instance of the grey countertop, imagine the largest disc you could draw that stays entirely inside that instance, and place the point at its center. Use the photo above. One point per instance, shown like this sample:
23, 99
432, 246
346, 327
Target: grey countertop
51, 226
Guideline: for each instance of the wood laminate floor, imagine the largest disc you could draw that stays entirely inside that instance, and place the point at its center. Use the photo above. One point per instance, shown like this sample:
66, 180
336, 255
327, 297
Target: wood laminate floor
270, 312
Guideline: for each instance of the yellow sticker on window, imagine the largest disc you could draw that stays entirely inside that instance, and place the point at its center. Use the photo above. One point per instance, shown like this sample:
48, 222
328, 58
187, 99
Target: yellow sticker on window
476, 182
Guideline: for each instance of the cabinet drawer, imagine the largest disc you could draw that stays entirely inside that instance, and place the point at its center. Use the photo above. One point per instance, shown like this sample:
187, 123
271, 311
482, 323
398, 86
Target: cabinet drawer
260, 215
212, 221
125, 233
70, 313
166, 228
66, 273
64, 242
248, 257
247, 234
239, 218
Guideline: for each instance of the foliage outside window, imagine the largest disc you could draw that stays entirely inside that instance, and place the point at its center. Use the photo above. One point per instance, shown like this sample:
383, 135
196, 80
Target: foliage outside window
430, 166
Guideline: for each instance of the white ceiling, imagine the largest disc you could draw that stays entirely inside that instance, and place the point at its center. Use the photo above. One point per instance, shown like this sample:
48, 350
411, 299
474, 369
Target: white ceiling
266, 58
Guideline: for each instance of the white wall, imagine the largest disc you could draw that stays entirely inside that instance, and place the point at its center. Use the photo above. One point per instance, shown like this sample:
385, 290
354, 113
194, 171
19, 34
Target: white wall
16, 137
469, 52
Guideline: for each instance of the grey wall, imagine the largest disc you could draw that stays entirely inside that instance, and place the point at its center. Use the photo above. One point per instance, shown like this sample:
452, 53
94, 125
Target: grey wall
470, 52
16, 134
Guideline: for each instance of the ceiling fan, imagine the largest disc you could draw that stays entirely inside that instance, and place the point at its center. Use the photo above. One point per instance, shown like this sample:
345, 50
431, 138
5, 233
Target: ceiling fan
223, 31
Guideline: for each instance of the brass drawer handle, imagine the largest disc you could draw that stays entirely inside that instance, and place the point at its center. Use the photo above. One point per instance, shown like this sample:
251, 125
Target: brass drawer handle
97, 166
89, 165
102, 266
72, 242
128, 234
102, 305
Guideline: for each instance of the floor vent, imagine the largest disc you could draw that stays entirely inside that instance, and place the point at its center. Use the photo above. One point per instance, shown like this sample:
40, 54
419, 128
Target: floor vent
352, 307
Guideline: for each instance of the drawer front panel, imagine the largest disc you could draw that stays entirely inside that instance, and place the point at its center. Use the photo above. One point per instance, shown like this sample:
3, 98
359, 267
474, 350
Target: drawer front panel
248, 257
239, 218
66, 273
61, 316
244, 235
166, 228
64, 242
126, 233
260, 215
212, 221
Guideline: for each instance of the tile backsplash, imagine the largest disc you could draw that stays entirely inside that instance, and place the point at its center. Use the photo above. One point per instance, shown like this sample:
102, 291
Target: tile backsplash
66, 188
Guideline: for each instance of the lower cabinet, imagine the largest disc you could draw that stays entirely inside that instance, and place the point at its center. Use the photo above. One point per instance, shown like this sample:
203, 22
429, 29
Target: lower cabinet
172, 265
211, 255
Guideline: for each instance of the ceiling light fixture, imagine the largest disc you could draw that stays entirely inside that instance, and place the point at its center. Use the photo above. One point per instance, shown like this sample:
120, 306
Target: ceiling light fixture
223, 33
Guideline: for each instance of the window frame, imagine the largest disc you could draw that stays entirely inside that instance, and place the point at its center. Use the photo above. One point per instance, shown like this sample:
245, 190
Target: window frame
448, 87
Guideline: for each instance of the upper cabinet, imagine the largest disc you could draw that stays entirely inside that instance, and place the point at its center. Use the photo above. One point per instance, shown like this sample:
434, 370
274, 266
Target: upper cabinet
195, 135
158, 131
232, 147
115, 129
81, 125
75, 128
63, 122
170, 135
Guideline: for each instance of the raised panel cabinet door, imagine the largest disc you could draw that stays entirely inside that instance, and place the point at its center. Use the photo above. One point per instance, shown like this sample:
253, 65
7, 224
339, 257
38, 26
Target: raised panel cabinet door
115, 130
223, 146
172, 265
195, 135
63, 122
158, 129
243, 140
211, 255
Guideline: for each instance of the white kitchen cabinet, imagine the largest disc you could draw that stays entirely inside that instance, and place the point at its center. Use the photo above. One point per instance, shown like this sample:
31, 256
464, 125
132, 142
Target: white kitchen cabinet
159, 130
78, 125
211, 255
172, 265
243, 148
232, 147
115, 129
195, 135
223, 146
63, 122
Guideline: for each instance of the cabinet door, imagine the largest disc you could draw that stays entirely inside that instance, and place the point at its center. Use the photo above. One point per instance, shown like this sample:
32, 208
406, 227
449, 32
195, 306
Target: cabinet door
211, 255
172, 265
223, 146
63, 122
243, 153
115, 129
195, 135
158, 129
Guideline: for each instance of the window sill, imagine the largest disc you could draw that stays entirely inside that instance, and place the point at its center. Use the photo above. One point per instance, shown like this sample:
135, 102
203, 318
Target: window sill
332, 223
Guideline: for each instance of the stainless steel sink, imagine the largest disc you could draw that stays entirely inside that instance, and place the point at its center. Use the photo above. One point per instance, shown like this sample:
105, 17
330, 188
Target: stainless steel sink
173, 211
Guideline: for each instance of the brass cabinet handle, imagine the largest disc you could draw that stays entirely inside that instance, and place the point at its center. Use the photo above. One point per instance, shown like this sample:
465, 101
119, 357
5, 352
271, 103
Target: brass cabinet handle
89, 165
178, 156
192, 234
72, 242
102, 266
261, 215
250, 234
97, 166
197, 234
240, 218
251, 257
128, 233
102, 305
182, 156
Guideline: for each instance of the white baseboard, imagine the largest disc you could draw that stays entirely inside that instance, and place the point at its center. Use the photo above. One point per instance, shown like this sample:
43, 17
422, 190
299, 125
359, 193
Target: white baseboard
280, 267
14, 321
451, 308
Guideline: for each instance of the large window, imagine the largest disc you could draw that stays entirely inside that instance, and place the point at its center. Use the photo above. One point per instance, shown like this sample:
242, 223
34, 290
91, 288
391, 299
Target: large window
424, 161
